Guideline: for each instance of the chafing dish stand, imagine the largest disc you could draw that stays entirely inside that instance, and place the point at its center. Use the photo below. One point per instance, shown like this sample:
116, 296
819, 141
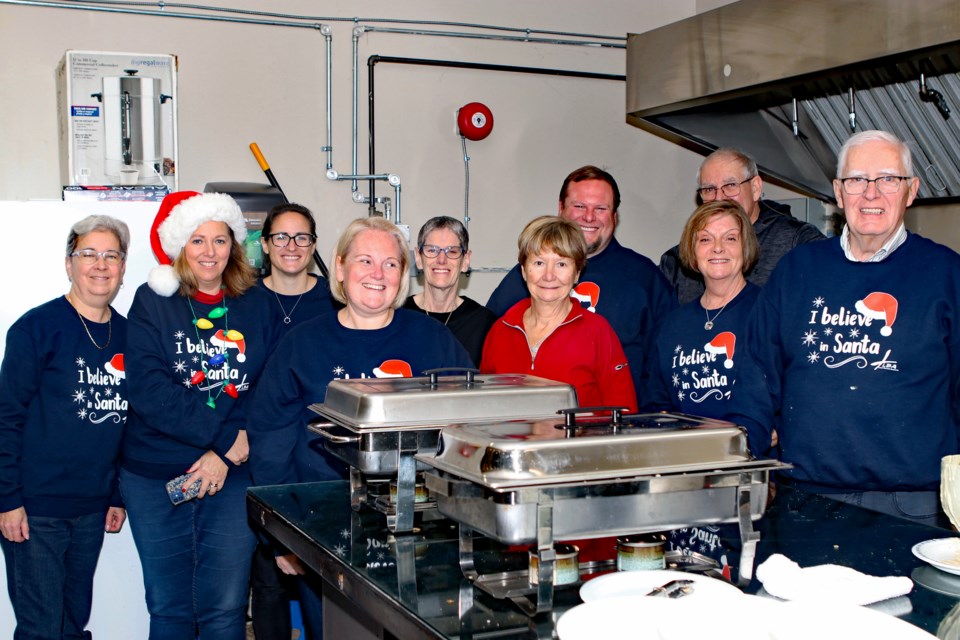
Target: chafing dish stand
378, 425
536, 482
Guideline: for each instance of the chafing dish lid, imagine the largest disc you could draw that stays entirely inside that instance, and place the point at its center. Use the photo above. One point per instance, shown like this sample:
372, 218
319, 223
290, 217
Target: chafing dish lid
372, 404
541, 452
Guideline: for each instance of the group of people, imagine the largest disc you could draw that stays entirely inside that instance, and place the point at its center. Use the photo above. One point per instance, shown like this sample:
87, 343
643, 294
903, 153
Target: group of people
828, 353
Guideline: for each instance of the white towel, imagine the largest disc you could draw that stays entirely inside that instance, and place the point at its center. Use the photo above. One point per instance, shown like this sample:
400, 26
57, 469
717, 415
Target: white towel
784, 578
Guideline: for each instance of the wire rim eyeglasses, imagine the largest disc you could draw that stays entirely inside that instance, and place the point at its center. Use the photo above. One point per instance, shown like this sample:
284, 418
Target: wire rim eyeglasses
858, 185
432, 251
300, 239
89, 256
729, 190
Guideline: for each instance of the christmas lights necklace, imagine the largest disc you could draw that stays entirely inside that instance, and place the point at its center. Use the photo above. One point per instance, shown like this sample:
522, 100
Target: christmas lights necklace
219, 359
87, 329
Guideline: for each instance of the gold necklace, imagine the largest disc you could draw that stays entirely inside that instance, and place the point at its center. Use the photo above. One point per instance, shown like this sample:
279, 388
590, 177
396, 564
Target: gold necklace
449, 313
87, 329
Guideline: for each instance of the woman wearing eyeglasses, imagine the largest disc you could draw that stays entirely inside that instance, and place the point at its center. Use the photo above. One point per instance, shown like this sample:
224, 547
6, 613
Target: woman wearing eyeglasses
288, 238
200, 334
443, 253
63, 403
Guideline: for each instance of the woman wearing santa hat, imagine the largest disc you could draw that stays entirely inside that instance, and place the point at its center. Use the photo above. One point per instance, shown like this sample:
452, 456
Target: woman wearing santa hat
370, 337
200, 332
696, 359
63, 403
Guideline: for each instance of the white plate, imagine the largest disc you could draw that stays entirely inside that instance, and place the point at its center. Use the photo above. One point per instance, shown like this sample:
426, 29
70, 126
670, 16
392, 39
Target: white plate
744, 618
640, 583
943, 553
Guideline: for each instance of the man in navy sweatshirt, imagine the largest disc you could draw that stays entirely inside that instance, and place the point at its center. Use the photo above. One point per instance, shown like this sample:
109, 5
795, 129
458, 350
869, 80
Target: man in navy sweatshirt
857, 344
731, 174
621, 285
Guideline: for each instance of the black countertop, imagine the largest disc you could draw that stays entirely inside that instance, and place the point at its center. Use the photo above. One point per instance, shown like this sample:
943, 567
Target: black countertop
413, 587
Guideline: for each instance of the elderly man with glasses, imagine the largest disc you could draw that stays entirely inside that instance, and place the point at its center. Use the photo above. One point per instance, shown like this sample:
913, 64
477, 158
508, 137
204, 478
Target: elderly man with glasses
856, 342
732, 175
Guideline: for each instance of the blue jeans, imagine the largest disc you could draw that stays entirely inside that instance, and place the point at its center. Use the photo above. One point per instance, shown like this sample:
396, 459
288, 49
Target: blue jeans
918, 506
195, 557
50, 576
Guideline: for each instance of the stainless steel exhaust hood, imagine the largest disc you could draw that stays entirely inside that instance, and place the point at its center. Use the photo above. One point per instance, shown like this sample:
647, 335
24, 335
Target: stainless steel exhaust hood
789, 80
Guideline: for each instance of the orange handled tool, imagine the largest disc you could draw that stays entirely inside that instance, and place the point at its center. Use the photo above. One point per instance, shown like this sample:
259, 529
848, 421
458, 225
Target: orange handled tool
266, 169
276, 185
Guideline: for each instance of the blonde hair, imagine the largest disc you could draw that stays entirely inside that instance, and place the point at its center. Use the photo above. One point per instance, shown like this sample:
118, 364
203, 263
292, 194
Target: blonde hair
237, 278
552, 233
345, 243
698, 221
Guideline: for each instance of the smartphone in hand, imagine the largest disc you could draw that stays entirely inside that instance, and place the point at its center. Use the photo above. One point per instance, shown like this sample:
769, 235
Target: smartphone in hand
179, 493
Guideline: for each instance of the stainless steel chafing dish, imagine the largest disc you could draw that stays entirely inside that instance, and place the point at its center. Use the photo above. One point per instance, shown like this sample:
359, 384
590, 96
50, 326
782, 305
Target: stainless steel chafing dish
377, 425
540, 480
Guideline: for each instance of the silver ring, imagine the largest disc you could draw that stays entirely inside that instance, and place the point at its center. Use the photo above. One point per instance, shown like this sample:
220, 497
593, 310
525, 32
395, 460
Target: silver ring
214, 485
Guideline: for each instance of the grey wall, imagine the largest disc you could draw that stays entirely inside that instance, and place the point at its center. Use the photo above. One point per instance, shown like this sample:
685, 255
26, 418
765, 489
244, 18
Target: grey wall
244, 83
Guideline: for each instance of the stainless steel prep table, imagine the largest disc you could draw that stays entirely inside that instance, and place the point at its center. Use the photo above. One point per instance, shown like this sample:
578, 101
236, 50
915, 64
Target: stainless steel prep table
413, 589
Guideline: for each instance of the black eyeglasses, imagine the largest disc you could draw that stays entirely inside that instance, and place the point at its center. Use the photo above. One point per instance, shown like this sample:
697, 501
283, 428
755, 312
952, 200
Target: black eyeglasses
89, 256
283, 239
432, 251
885, 184
730, 190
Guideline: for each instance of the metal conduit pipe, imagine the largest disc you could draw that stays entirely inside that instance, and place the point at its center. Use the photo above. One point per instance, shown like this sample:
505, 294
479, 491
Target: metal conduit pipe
161, 13
328, 149
109, 5
373, 60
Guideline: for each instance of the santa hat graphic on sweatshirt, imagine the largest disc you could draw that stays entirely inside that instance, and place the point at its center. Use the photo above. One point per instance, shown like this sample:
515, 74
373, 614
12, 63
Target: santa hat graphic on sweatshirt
115, 367
231, 339
393, 369
587, 292
879, 306
723, 344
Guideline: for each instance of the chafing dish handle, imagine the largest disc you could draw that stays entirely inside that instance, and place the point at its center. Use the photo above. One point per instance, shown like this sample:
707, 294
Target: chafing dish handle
321, 428
570, 415
434, 374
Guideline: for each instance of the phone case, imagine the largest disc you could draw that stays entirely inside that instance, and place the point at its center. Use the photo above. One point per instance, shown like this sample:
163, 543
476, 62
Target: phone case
178, 494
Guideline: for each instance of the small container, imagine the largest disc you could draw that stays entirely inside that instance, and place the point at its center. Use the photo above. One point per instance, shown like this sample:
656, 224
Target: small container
420, 492
566, 567
641, 552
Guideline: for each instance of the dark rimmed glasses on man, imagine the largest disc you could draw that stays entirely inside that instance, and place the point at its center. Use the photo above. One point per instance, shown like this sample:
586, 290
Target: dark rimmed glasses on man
857, 185
89, 256
729, 190
432, 251
283, 239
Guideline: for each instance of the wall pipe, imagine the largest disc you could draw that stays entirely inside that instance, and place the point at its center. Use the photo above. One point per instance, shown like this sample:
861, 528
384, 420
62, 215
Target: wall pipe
161, 5
373, 60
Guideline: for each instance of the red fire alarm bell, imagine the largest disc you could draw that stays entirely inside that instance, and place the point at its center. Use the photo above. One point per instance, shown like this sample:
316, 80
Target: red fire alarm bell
475, 121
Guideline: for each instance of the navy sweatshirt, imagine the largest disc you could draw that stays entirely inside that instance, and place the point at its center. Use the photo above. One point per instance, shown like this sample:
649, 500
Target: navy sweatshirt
170, 425
315, 352
862, 362
63, 404
624, 287
695, 369
302, 307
